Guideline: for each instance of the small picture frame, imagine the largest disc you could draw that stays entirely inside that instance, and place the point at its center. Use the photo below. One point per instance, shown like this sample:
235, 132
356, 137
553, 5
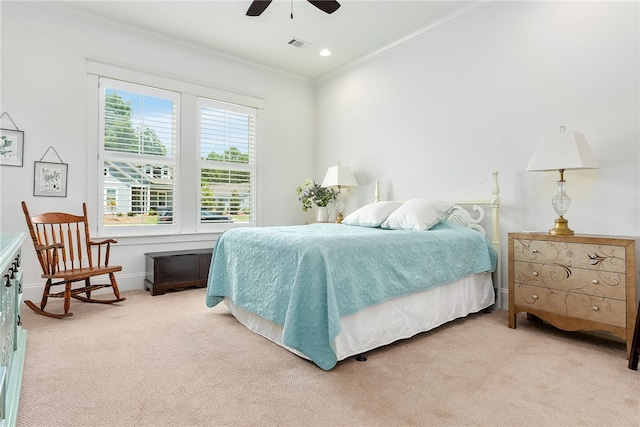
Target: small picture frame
50, 179
11, 147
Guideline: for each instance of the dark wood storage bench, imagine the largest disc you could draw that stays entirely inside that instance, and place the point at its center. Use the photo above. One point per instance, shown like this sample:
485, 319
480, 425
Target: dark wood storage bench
173, 270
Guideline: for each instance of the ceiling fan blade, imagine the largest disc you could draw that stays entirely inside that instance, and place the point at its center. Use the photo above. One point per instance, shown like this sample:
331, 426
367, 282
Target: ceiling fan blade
328, 6
257, 7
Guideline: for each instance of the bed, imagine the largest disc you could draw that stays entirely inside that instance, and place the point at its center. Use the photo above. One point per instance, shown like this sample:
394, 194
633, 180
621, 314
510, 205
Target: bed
330, 291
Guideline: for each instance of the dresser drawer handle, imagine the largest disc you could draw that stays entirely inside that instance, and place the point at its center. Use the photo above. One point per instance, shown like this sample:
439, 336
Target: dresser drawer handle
534, 296
595, 308
535, 273
595, 281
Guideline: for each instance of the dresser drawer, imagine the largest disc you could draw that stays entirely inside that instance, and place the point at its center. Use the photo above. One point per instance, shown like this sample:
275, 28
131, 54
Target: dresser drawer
563, 277
597, 309
576, 255
572, 304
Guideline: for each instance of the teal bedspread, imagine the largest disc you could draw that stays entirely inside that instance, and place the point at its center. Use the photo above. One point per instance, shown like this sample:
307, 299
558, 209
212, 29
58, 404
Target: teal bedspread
307, 277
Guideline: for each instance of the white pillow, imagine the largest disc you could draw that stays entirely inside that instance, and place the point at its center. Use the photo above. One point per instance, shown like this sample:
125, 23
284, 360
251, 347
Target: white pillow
417, 214
371, 215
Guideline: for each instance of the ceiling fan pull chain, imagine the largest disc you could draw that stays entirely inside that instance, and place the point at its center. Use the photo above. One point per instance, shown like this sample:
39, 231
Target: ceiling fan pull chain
291, 9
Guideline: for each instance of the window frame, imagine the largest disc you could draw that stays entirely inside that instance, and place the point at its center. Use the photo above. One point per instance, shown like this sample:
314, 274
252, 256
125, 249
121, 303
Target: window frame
138, 194
250, 166
188, 205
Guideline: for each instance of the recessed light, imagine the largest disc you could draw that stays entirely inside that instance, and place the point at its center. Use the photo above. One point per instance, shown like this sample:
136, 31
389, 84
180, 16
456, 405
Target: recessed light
325, 52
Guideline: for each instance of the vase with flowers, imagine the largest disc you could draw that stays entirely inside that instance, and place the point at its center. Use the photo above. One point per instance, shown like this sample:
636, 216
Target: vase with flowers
310, 193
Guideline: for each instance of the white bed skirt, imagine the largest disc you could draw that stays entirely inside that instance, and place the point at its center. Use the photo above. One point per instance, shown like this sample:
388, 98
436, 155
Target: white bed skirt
392, 320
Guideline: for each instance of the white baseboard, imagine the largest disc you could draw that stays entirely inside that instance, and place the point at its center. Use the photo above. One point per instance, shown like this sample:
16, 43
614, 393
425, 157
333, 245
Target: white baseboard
126, 282
504, 294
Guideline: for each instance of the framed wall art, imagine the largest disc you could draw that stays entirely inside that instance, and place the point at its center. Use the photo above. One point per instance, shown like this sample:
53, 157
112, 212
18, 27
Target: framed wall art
11, 147
50, 179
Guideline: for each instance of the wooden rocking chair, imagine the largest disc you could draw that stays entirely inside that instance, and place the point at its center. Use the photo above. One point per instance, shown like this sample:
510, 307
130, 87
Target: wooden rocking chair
65, 251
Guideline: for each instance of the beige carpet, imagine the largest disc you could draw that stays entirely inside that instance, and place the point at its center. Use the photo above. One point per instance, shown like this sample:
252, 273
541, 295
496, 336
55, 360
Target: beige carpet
169, 360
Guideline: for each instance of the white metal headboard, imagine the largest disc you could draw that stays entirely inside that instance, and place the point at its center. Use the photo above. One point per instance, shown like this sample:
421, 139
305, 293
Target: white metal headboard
473, 214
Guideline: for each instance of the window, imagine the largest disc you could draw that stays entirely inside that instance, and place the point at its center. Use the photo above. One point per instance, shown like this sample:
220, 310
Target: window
172, 161
139, 151
227, 162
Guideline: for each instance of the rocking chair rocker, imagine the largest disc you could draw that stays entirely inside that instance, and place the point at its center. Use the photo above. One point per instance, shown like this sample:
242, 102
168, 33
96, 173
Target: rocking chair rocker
65, 251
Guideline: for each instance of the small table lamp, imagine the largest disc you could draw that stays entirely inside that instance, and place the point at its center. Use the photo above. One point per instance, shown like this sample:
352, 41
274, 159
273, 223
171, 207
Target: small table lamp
339, 176
562, 151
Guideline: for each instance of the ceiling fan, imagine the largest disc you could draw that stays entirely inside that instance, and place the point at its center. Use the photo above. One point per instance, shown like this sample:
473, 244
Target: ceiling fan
258, 6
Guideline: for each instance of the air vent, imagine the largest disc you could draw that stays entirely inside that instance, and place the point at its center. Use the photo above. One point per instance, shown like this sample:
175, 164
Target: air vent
300, 44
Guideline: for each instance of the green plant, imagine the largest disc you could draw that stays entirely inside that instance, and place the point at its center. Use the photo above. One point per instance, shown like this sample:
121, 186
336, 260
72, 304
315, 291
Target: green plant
310, 193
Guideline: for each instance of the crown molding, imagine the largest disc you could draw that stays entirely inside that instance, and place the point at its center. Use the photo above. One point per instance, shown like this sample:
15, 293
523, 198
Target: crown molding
99, 21
89, 18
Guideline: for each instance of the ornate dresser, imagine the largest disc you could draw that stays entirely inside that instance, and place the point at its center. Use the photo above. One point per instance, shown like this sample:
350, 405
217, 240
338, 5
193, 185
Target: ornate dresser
13, 339
576, 282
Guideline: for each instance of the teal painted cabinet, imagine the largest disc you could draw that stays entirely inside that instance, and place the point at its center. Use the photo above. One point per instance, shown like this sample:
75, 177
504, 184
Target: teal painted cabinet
13, 339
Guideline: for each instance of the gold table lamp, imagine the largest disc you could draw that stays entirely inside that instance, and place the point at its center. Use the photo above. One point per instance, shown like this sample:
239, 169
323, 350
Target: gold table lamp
562, 151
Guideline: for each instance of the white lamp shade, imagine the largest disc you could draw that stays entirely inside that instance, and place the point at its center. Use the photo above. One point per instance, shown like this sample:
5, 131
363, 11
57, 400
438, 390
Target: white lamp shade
562, 150
339, 176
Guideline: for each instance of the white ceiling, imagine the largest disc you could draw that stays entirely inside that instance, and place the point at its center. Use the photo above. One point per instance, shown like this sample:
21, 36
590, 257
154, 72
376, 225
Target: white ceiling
357, 30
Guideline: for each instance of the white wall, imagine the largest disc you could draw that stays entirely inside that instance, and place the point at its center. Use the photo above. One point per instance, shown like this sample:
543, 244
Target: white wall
437, 116
432, 118
44, 89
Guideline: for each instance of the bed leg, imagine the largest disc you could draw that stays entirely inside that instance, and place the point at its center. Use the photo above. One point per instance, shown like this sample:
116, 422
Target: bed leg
361, 358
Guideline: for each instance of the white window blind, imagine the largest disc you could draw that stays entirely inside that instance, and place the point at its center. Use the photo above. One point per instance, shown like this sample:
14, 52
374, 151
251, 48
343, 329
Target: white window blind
139, 153
227, 162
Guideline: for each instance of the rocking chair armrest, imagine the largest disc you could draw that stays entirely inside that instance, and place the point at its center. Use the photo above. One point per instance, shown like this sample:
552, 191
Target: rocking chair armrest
40, 248
102, 258
102, 242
